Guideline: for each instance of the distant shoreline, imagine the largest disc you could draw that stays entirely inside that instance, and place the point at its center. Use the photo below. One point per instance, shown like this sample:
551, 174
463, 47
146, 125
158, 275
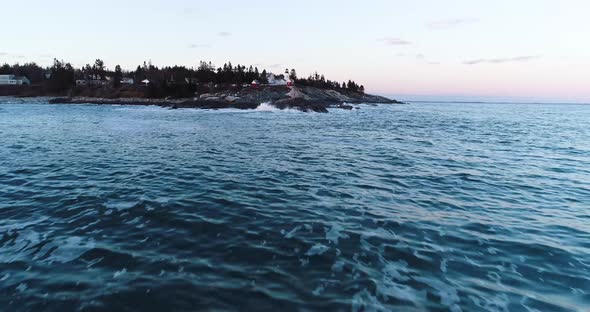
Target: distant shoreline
499, 102
303, 98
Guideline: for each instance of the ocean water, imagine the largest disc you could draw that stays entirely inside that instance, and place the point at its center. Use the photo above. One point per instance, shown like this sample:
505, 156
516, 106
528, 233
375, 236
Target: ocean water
421, 207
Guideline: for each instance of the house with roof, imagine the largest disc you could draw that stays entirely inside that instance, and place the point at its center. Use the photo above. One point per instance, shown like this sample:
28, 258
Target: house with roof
93, 80
14, 80
127, 81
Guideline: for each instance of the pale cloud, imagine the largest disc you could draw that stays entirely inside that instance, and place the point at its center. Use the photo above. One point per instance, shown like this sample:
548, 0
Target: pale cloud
419, 57
224, 34
276, 66
440, 24
524, 58
394, 41
198, 46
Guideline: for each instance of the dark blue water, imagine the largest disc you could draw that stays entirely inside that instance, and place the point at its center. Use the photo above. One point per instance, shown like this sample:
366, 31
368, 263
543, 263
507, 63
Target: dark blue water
440, 207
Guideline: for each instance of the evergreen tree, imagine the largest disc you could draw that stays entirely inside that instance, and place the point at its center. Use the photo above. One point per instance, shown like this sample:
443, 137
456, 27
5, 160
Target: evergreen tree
139, 74
117, 76
99, 69
186, 80
87, 71
264, 77
5, 69
62, 76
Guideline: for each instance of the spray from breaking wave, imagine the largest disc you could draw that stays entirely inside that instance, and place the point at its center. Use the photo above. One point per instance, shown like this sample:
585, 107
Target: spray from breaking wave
267, 107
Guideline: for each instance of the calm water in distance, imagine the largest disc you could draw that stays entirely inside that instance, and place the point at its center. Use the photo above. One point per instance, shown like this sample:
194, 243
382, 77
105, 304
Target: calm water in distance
439, 207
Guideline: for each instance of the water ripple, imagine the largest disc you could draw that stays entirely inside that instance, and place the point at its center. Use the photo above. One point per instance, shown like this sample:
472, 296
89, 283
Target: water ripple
420, 207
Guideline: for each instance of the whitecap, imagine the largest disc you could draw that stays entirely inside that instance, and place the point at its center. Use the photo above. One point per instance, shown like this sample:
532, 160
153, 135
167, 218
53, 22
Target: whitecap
68, 249
338, 266
364, 301
317, 249
291, 233
266, 107
401, 292
119, 273
22, 287
443, 265
120, 205
334, 234
447, 293
398, 271
318, 291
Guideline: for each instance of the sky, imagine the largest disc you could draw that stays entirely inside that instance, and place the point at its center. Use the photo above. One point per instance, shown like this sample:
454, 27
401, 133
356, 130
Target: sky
525, 50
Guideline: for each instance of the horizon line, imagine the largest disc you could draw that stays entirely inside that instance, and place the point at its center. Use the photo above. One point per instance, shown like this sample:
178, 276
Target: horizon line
497, 102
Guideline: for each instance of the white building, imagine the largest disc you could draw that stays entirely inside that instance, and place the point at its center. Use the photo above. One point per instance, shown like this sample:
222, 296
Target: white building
91, 82
14, 80
98, 82
127, 81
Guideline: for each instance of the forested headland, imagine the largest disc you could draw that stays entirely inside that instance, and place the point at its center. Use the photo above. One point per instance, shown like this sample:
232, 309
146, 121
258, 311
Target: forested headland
150, 81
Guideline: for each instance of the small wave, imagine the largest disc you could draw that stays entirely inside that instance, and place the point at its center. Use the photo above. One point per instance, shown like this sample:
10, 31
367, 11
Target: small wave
317, 249
335, 233
119, 273
267, 107
394, 208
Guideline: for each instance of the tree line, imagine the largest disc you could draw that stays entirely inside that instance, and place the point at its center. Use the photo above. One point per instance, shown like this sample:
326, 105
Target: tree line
319, 81
61, 76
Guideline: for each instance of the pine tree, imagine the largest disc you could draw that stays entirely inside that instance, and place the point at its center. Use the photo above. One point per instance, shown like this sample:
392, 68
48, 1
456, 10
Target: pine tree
264, 77
139, 74
117, 76
62, 76
99, 69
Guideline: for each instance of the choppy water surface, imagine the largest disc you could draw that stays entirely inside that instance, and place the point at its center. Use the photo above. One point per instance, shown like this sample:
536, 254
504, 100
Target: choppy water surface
441, 207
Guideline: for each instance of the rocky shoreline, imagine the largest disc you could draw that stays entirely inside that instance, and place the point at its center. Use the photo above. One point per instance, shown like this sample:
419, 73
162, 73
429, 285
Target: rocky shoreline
299, 104
306, 99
